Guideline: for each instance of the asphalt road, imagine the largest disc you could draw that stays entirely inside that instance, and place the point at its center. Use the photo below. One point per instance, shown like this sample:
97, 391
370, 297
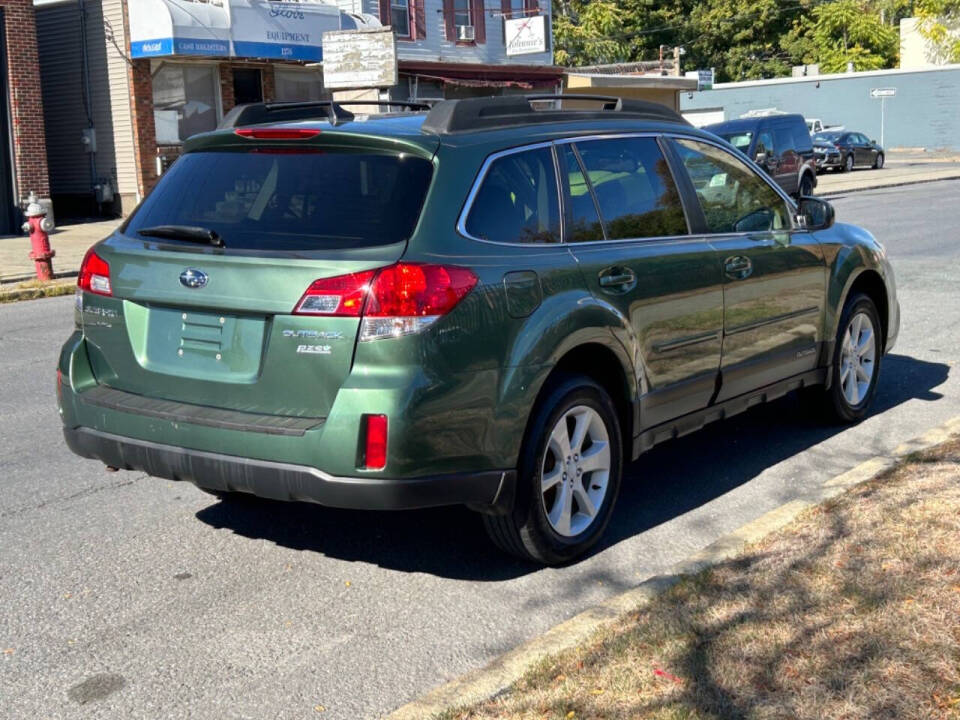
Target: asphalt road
123, 596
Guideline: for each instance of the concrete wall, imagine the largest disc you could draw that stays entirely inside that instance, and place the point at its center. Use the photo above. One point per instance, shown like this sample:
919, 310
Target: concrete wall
924, 113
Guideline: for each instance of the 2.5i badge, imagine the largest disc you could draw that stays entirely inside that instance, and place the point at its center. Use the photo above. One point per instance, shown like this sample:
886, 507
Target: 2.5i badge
314, 350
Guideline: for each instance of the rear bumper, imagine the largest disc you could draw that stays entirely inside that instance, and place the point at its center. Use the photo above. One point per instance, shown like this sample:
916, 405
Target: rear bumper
284, 481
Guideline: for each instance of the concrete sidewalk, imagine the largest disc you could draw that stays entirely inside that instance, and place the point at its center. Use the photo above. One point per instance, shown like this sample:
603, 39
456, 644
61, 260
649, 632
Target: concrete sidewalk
901, 168
69, 241
72, 241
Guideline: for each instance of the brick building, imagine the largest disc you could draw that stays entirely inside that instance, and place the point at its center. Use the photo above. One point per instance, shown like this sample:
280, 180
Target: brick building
141, 77
23, 157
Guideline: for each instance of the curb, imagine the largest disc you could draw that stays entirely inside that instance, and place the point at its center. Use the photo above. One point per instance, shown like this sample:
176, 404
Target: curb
863, 188
508, 668
54, 288
26, 277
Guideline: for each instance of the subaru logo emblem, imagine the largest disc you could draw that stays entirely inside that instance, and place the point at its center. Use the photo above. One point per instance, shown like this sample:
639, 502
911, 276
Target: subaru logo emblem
192, 278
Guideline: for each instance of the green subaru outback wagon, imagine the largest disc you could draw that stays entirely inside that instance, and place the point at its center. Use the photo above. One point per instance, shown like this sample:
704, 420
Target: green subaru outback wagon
495, 302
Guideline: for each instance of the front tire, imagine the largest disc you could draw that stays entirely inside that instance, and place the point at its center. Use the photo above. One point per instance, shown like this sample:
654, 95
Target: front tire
806, 186
569, 476
856, 362
878, 163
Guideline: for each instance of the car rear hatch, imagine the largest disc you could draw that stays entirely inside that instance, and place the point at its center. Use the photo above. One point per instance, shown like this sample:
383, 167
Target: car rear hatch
189, 322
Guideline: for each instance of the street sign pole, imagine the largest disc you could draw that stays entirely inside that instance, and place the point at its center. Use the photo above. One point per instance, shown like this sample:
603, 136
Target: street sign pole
883, 116
882, 94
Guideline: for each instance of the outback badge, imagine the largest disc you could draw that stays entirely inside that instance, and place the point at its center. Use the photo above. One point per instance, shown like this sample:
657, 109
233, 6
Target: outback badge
193, 278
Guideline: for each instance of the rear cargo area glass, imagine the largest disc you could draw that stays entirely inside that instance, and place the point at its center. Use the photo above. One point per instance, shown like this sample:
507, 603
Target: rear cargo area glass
290, 199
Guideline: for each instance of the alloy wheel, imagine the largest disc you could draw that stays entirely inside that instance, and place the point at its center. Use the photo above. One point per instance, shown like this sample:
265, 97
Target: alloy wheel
575, 471
849, 163
858, 356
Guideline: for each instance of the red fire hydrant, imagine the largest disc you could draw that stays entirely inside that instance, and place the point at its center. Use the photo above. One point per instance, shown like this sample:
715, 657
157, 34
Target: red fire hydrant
38, 225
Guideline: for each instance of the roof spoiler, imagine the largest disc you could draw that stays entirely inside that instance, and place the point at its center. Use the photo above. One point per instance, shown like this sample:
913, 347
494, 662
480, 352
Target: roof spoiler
269, 112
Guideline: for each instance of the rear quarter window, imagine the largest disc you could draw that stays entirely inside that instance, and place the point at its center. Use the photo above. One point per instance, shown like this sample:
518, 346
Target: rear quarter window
304, 200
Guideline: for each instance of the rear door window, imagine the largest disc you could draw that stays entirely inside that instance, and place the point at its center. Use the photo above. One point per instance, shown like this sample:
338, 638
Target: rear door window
583, 221
291, 201
518, 200
634, 189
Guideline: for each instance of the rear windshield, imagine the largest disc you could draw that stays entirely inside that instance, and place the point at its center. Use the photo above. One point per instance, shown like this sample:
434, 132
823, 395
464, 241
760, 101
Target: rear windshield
827, 137
301, 201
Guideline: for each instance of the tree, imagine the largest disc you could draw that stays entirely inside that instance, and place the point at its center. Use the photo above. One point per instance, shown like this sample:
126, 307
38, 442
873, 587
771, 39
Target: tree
587, 32
940, 24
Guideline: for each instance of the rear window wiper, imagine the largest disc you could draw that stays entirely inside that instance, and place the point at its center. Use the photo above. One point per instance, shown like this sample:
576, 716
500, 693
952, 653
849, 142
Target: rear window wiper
184, 232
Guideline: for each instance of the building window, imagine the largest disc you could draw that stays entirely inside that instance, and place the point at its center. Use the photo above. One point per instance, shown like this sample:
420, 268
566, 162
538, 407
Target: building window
400, 17
299, 85
518, 8
462, 13
185, 101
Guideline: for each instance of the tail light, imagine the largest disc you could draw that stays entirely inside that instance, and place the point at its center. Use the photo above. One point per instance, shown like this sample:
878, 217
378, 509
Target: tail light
94, 274
342, 296
277, 133
375, 442
401, 299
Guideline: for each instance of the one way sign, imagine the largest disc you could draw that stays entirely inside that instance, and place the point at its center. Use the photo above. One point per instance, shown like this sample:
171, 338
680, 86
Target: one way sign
883, 92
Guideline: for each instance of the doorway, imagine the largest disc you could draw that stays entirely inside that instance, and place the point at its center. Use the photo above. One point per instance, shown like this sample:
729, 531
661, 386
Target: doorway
247, 86
9, 210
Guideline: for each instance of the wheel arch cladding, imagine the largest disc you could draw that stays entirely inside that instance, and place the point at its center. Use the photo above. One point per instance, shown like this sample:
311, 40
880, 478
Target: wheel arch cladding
871, 284
603, 366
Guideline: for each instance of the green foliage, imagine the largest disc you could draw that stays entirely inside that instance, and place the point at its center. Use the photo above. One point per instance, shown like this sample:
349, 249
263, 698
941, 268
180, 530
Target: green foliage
741, 41
585, 32
940, 24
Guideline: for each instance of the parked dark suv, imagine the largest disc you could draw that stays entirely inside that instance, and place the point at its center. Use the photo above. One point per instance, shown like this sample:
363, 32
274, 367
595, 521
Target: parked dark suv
780, 144
496, 303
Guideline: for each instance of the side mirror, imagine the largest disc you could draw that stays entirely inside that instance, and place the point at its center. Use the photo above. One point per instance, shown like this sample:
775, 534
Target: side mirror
873, 141
817, 213
761, 157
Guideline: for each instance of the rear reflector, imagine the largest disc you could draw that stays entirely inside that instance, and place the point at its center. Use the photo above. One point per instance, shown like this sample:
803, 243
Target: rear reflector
397, 300
94, 274
277, 133
375, 442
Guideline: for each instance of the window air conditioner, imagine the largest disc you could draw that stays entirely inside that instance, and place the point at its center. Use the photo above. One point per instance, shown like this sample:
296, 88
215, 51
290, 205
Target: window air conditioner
466, 33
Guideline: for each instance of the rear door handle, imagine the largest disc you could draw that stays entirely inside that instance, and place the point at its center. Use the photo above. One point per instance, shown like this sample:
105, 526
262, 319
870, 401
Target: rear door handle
738, 267
618, 279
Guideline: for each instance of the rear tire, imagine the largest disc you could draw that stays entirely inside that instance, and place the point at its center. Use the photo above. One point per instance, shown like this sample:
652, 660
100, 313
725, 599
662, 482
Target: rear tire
847, 164
569, 475
855, 364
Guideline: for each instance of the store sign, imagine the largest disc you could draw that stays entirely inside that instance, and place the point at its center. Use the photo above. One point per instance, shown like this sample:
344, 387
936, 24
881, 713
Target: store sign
230, 28
526, 35
360, 59
704, 78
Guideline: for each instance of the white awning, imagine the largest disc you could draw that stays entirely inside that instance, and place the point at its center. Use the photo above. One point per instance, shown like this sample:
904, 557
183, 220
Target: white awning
233, 28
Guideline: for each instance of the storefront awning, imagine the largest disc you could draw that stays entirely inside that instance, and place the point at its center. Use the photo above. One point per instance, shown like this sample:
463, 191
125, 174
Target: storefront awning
233, 28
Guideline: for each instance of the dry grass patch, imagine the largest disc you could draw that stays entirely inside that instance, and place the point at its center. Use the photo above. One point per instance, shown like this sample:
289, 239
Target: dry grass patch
33, 289
852, 611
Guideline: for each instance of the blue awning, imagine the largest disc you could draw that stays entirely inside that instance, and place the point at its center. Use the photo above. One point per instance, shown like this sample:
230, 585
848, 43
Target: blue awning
233, 28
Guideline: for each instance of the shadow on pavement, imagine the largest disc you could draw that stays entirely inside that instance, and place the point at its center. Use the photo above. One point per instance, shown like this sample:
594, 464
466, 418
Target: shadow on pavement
670, 480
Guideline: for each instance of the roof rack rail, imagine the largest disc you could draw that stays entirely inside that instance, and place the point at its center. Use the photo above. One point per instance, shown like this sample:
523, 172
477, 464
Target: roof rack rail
265, 112
491, 113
